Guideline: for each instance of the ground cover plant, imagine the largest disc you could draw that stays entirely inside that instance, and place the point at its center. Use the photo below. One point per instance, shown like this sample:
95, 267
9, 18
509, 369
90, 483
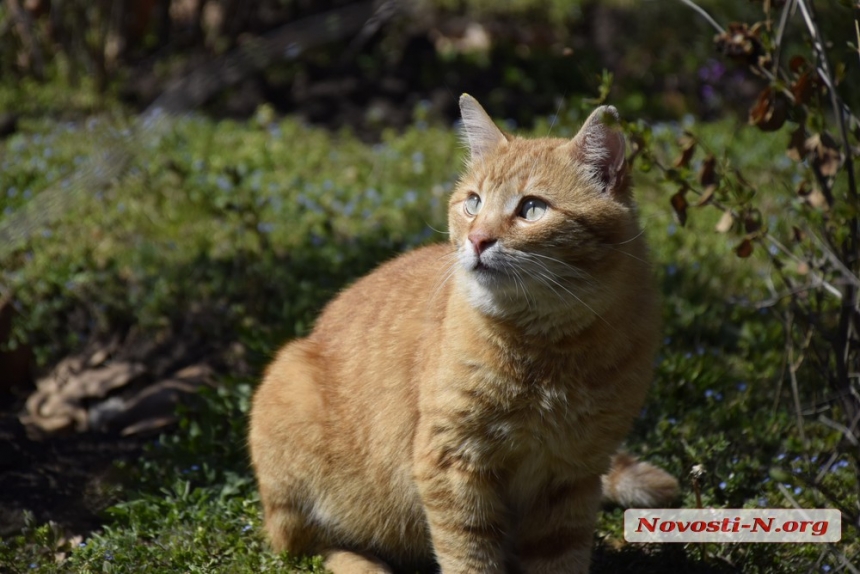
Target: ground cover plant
239, 231
190, 503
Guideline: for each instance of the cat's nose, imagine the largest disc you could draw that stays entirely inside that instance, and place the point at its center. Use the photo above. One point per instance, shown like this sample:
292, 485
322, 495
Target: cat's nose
481, 241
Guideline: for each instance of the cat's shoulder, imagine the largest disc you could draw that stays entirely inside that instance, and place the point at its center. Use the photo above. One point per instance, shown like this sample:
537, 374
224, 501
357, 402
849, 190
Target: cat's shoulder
400, 282
415, 264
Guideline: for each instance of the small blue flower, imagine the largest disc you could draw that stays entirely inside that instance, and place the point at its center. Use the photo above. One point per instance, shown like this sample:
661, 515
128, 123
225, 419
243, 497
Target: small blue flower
798, 490
246, 528
223, 183
722, 485
293, 51
742, 386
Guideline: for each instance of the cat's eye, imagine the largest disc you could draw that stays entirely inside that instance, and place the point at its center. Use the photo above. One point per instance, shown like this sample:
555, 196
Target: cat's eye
532, 209
472, 205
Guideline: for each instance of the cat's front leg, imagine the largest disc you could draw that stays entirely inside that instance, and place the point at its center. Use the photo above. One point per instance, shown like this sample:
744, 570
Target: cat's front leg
557, 533
469, 524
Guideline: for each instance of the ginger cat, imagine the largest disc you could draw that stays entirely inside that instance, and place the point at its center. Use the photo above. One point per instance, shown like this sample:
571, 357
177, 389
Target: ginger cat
461, 403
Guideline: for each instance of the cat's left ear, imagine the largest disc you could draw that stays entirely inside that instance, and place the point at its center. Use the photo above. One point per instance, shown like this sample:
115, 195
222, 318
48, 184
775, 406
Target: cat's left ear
599, 145
481, 134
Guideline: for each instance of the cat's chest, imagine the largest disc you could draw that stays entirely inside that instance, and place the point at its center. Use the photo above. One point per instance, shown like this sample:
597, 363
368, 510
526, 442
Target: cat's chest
530, 408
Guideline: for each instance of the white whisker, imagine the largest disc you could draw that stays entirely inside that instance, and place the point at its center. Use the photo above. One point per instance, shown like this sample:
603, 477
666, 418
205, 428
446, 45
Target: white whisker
629, 255
574, 295
576, 271
634, 238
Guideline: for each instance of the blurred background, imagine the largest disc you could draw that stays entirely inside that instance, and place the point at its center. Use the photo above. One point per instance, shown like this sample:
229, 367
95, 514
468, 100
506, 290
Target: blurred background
368, 65
184, 184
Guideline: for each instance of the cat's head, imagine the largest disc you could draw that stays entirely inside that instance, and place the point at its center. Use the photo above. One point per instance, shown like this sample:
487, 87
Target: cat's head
542, 223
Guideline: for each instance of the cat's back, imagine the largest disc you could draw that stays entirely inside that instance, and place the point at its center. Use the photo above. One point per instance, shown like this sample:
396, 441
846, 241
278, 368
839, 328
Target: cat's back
391, 305
361, 355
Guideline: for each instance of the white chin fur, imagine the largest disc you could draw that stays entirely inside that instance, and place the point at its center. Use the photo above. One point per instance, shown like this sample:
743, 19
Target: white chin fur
535, 307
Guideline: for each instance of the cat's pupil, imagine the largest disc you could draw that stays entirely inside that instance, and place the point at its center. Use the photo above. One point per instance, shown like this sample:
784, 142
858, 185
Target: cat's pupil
533, 209
473, 204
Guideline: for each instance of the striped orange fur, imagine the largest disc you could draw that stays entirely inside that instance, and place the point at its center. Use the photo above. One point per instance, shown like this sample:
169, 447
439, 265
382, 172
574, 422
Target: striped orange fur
461, 403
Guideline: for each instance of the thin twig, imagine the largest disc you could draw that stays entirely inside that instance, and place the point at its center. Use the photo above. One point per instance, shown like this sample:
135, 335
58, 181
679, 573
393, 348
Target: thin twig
848, 433
704, 15
842, 344
783, 21
795, 391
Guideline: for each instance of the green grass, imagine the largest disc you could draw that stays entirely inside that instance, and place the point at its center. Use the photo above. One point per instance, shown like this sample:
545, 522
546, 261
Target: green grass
247, 229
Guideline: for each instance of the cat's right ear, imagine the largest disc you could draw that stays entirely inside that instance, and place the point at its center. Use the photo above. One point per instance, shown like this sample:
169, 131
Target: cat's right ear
481, 134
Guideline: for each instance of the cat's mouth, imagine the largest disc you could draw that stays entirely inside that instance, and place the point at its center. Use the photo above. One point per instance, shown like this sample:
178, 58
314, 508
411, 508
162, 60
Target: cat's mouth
484, 270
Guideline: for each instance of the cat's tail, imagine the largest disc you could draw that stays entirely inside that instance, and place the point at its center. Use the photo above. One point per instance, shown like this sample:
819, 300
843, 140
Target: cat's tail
631, 483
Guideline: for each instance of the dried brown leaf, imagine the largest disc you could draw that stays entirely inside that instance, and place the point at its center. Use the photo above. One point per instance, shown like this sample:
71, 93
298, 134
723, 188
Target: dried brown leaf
706, 196
797, 63
826, 155
817, 199
708, 173
679, 205
752, 221
770, 110
725, 222
797, 144
688, 148
740, 43
797, 234
745, 248
804, 87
